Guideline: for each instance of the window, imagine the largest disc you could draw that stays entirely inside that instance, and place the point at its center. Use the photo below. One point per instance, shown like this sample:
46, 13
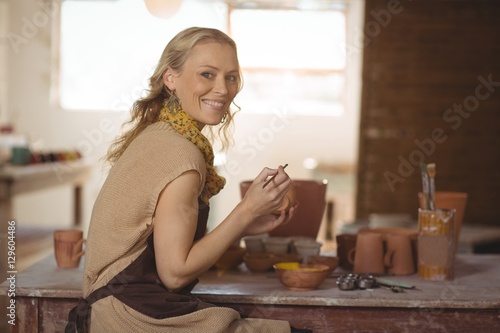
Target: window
109, 49
292, 59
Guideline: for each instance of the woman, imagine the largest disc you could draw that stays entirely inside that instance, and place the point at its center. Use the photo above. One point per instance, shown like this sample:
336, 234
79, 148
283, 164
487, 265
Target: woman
147, 243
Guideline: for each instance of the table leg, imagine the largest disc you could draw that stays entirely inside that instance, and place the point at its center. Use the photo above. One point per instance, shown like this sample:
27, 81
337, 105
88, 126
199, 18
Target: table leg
77, 218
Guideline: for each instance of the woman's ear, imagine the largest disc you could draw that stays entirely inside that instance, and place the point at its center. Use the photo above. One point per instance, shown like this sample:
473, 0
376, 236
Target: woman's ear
168, 79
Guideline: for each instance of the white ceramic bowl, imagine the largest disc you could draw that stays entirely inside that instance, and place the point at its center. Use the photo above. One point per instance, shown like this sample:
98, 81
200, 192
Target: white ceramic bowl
277, 245
255, 244
307, 247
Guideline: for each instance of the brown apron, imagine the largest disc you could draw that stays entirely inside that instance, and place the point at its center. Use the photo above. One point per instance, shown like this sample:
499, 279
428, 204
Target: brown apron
139, 287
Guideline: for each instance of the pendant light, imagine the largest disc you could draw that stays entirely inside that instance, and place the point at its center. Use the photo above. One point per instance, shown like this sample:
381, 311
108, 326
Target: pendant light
163, 8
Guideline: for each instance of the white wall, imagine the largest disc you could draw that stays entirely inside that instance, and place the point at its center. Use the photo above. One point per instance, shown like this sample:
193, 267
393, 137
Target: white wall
260, 140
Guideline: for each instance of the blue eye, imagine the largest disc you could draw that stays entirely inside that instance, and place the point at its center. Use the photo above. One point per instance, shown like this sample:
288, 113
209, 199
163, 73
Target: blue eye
207, 75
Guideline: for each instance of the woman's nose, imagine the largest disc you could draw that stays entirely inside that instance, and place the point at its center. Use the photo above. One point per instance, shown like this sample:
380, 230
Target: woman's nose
221, 86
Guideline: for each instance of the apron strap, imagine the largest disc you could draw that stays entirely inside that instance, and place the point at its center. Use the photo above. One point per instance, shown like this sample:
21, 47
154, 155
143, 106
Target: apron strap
79, 316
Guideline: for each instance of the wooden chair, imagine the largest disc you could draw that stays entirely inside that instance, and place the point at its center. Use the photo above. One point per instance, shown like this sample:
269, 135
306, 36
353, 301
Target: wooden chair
311, 195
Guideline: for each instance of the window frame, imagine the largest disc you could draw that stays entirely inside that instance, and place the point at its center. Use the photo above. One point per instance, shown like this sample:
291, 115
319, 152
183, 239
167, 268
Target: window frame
56, 70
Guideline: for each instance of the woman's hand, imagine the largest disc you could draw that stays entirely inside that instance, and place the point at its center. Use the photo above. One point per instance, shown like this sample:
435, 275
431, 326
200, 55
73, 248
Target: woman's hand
260, 202
267, 223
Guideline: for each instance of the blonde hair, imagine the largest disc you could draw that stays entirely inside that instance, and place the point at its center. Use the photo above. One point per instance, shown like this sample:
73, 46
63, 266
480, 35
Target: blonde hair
145, 111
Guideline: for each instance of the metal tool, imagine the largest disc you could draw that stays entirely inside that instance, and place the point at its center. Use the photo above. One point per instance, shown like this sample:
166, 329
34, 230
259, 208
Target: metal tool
368, 281
390, 283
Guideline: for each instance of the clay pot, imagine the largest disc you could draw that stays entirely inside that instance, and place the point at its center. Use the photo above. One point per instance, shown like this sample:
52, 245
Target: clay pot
289, 200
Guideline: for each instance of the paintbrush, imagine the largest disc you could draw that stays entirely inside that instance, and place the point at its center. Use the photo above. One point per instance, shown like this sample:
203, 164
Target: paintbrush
271, 179
425, 185
431, 170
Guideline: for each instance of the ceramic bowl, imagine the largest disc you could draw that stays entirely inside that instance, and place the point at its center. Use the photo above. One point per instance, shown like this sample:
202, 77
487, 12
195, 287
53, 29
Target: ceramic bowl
255, 244
259, 262
331, 262
296, 276
276, 245
231, 258
307, 247
296, 239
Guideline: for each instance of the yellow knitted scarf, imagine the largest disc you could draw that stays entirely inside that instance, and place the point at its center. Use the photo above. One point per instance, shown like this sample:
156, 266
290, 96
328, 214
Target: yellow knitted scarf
187, 127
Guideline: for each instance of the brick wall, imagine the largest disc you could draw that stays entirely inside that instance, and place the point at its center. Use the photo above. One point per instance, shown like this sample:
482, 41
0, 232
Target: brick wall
426, 98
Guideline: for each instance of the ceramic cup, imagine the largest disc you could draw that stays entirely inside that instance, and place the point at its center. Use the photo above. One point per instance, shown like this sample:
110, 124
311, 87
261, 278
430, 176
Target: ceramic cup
255, 244
307, 247
68, 248
294, 239
277, 245
368, 255
20, 155
412, 234
345, 244
398, 257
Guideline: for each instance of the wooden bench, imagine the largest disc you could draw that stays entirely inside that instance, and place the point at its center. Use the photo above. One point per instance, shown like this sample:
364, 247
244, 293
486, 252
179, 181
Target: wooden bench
470, 303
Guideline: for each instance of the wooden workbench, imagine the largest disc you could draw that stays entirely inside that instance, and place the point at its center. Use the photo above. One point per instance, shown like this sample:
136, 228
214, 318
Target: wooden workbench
15, 180
470, 303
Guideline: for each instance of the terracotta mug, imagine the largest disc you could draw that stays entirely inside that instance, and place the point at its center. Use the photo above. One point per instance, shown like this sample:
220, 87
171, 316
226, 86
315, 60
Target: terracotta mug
398, 257
68, 248
411, 233
346, 243
368, 256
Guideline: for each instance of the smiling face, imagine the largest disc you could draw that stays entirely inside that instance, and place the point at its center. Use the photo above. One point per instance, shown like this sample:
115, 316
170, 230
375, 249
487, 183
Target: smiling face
208, 82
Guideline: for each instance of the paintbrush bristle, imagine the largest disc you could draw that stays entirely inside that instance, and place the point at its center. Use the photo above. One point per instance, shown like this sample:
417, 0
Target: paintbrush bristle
431, 169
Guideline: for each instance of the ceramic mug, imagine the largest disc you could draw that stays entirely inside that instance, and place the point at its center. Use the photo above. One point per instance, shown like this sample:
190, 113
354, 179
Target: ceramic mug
398, 257
20, 155
68, 248
346, 243
368, 256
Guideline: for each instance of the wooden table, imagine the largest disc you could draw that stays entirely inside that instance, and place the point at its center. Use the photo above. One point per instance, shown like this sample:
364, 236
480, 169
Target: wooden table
470, 303
15, 180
